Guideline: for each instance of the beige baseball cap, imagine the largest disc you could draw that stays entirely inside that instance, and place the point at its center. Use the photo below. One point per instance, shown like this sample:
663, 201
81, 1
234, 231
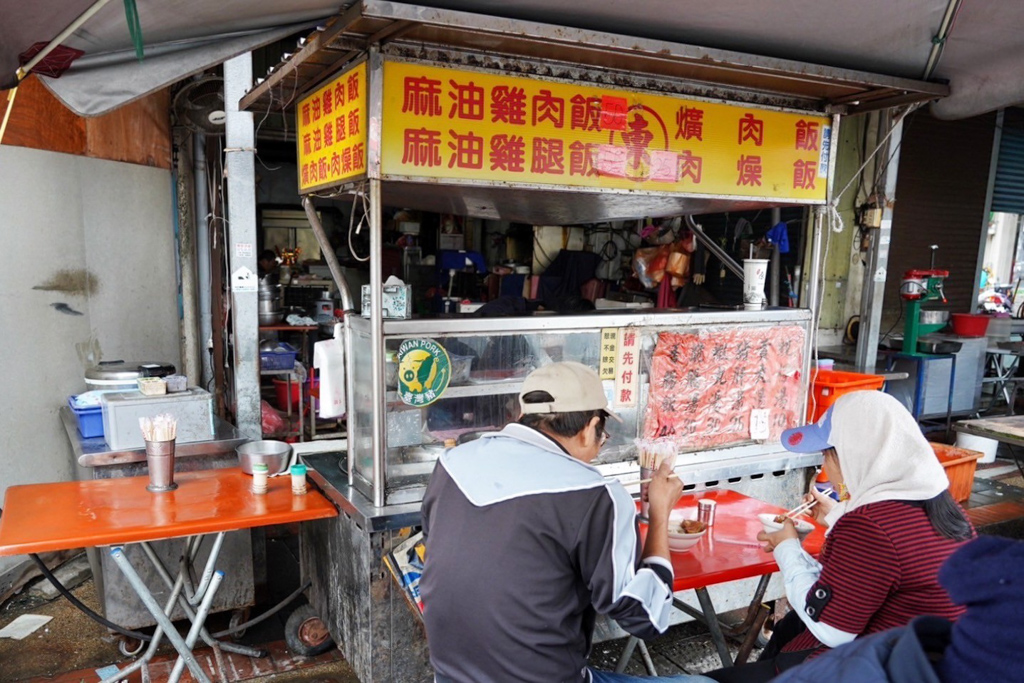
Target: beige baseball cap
574, 386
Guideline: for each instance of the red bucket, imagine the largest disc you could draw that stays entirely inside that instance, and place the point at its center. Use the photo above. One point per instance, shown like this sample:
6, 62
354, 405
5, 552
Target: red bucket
281, 392
969, 324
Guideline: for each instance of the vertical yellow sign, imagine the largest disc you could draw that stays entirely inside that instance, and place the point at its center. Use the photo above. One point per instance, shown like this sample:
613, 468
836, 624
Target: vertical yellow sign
331, 130
609, 342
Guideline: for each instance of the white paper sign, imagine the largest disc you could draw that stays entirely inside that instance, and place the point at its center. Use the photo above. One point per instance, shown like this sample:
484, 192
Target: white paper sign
244, 280
759, 424
243, 249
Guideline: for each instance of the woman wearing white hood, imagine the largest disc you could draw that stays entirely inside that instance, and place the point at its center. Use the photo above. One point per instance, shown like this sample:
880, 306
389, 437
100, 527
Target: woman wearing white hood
894, 526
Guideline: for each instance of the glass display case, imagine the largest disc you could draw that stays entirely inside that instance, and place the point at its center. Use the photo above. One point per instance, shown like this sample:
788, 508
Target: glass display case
712, 371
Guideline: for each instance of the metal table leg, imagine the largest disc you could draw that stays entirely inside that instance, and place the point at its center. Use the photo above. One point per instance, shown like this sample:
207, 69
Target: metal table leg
716, 630
187, 602
161, 619
626, 654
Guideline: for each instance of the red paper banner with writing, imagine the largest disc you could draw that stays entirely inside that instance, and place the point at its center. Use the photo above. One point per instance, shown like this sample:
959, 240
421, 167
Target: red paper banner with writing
703, 385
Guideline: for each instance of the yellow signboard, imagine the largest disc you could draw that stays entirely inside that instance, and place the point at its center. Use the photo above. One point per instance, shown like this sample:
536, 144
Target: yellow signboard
448, 123
331, 126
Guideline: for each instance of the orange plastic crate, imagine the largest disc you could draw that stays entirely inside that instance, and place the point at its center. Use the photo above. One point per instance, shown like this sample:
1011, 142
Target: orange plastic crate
960, 464
828, 385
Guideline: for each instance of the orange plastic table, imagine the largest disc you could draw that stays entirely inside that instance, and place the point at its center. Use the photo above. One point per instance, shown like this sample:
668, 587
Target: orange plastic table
112, 512
728, 552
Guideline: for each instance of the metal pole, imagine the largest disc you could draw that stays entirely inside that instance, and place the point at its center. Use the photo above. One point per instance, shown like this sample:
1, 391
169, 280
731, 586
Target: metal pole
197, 625
376, 95
162, 619
202, 222
773, 285
878, 261
240, 166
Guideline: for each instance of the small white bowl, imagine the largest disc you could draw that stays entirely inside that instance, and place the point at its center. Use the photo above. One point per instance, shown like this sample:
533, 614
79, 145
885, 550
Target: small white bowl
803, 527
678, 541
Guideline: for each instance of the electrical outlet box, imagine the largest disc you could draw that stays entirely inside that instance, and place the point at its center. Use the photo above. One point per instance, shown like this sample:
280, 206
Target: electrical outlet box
871, 217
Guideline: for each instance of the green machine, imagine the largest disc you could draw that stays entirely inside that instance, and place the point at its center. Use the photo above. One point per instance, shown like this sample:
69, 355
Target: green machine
918, 287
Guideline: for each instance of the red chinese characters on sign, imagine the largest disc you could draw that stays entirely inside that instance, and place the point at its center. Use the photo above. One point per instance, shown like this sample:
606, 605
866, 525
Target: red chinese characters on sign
467, 150
581, 158
353, 87
315, 104
353, 123
548, 156
804, 173
690, 123
585, 113
508, 153
807, 135
638, 138
627, 375
422, 96
703, 386
422, 147
305, 114
508, 105
467, 101
547, 107
690, 166
751, 128
749, 167
339, 95
328, 103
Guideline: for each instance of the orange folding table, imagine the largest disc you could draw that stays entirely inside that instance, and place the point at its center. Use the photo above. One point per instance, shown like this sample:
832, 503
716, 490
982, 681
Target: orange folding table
114, 512
729, 551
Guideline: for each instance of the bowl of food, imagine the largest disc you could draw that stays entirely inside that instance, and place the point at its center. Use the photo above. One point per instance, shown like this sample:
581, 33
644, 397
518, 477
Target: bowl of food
276, 455
773, 523
683, 534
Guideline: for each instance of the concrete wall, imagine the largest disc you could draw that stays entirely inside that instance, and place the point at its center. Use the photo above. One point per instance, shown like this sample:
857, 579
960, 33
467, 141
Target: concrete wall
67, 221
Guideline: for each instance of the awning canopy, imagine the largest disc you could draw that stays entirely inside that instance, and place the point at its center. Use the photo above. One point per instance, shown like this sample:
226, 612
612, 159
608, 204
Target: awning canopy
981, 60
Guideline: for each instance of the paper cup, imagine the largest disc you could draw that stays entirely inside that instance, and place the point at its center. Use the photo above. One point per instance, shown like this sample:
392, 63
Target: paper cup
755, 272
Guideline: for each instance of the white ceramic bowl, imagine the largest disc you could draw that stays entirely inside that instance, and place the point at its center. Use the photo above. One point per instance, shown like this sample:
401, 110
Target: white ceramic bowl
679, 542
803, 527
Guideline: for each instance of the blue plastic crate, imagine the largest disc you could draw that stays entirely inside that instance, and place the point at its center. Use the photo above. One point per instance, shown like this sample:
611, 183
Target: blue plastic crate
280, 359
90, 420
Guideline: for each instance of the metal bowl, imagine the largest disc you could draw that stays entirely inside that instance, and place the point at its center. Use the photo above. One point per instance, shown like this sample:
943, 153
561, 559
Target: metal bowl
275, 454
271, 318
933, 317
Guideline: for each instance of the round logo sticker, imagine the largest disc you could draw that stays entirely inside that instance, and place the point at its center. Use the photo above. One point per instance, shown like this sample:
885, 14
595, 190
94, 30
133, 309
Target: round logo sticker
424, 371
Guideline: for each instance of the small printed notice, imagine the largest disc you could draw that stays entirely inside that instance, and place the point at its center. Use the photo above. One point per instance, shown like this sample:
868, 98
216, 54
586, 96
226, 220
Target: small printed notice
627, 368
609, 343
243, 249
759, 429
244, 280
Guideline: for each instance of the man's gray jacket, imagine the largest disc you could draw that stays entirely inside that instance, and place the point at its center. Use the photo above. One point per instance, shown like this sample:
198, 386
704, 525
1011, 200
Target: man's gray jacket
523, 544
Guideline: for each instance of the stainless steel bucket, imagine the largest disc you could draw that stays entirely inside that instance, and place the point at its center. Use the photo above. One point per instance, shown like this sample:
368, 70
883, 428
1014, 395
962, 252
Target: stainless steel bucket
160, 461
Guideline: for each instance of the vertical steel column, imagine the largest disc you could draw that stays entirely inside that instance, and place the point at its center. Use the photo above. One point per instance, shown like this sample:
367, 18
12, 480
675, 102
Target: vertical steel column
375, 78
878, 258
241, 244
773, 286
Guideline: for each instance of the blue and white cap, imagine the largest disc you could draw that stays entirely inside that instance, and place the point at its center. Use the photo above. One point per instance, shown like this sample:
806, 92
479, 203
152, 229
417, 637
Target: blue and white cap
810, 438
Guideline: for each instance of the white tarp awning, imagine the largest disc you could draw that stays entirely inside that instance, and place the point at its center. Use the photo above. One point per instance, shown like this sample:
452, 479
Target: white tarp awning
982, 59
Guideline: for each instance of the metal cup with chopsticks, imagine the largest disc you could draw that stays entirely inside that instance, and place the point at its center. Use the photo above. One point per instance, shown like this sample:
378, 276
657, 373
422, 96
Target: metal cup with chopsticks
651, 454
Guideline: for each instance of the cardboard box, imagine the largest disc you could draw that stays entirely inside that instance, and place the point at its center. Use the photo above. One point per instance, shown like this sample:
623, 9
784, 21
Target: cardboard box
397, 301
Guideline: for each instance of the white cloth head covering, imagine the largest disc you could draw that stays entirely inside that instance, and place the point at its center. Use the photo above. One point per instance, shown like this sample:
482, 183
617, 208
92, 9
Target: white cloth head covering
882, 452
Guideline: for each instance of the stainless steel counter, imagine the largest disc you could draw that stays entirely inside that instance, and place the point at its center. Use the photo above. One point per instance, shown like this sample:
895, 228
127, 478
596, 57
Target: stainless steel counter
96, 453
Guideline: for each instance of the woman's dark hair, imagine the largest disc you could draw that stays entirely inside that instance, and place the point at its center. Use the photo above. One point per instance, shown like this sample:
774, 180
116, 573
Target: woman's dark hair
947, 517
563, 424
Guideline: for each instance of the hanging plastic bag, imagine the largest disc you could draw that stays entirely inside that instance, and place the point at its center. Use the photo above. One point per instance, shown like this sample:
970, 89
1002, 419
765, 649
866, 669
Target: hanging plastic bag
329, 359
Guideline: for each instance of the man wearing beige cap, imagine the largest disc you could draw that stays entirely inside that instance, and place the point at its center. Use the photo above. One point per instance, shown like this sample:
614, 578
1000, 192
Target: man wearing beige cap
527, 542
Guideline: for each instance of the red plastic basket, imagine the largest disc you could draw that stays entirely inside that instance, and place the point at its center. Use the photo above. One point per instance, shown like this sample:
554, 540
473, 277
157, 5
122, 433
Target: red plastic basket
828, 385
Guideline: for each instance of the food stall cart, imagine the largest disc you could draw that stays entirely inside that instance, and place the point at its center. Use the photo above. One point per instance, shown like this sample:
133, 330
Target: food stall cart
471, 115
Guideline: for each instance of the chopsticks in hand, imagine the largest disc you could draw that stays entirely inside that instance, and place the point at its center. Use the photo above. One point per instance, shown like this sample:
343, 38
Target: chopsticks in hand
805, 507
